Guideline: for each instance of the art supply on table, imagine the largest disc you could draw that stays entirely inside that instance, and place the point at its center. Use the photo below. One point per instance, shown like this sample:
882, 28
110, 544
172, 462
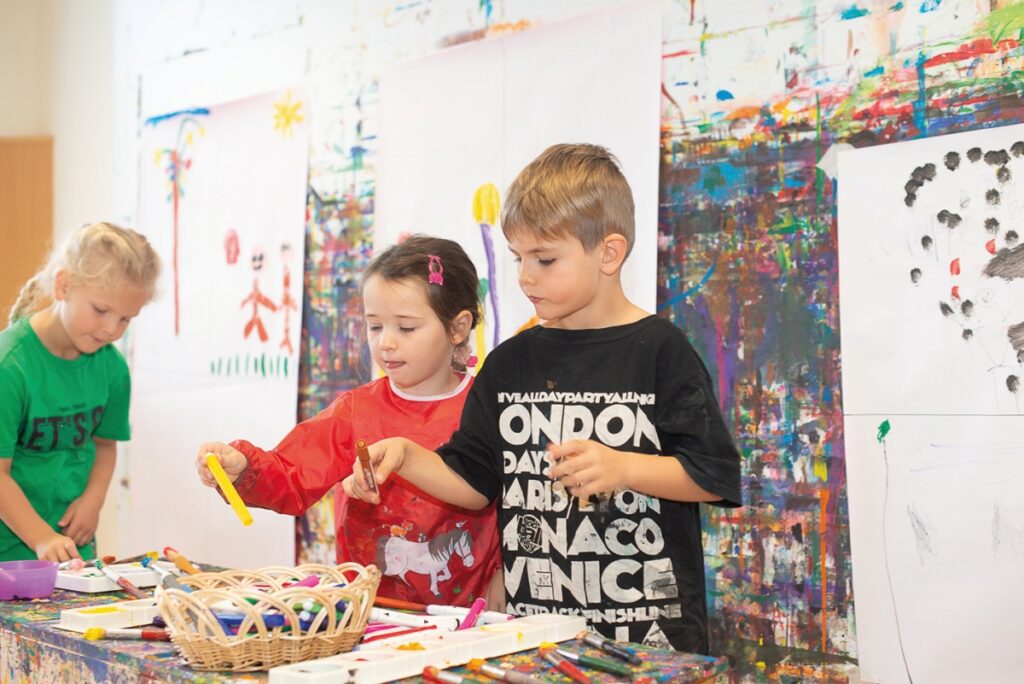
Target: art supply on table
549, 652
608, 646
144, 633
90, 580
167, 578
27, 579
121, 581
73, 564
432, 674
486, 617
109, 615
502, 675
383, 661
234, 620
180, 561
364, 462
447, 623
393, 634
228, 489
152, 555
474, 612
605, 665
307, 581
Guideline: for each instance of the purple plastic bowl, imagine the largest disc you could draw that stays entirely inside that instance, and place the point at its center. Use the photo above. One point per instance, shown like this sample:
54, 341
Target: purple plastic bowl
27, 579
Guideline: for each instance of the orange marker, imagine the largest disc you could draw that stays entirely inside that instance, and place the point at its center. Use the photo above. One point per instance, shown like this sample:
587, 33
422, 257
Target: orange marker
180, 561
364, 460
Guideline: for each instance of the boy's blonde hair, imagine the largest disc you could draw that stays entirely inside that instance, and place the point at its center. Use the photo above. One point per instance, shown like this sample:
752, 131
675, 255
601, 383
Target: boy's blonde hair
571, 189
98, 255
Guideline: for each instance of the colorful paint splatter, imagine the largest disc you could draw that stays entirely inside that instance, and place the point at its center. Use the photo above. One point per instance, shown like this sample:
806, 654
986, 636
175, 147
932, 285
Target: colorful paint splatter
753, 101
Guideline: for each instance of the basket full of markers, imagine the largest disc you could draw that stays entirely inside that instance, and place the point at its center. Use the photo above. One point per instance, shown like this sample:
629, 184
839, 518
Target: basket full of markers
244, 620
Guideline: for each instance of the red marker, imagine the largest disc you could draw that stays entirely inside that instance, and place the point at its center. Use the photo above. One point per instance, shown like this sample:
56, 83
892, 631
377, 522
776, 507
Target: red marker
396, 633
562, 664
364, 460
145, 633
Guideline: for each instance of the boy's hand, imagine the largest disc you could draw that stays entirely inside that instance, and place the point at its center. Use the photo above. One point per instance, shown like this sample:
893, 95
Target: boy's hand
587, 467
386, 457
231, 459
57, 547
81, 519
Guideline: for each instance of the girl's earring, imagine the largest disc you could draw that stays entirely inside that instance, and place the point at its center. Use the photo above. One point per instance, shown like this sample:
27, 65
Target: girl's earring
464, 357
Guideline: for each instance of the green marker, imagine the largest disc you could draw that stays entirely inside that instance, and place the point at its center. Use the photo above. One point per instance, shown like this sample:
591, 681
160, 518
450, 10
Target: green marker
597, 663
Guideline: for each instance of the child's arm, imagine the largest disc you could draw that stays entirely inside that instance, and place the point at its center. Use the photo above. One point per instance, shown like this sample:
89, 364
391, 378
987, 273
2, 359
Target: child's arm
82, 516
587, 467
18, 514
418, 466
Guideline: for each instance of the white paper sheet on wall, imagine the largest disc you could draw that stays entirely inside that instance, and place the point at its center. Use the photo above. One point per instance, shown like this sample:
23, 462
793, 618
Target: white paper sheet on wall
475, 114
222, 199
931, 294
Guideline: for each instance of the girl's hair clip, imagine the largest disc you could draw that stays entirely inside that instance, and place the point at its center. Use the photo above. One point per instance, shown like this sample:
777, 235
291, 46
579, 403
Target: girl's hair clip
436, 276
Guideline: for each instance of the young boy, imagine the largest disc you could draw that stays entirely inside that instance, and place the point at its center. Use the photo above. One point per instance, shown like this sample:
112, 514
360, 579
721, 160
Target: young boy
599, 428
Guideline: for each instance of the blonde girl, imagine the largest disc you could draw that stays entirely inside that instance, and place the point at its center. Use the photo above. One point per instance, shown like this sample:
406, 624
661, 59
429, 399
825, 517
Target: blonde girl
64, 390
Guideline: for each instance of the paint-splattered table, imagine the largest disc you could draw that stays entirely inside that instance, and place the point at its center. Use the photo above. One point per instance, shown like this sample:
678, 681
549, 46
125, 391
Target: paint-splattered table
32, 649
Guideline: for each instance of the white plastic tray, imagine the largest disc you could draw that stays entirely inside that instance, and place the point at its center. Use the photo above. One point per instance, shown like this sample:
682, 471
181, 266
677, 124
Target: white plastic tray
371, 665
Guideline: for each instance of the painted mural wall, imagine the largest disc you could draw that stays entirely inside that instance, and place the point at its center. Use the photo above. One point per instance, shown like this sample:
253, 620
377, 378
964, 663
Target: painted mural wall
755, 93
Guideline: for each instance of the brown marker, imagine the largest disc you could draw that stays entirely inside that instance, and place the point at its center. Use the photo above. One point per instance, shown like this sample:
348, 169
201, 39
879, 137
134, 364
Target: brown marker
364, 461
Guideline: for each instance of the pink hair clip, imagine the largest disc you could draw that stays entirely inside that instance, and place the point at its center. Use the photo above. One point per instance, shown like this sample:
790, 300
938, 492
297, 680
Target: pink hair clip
436, 276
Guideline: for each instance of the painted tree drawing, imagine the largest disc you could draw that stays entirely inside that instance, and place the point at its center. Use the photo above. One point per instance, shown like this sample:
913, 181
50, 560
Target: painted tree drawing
176, 163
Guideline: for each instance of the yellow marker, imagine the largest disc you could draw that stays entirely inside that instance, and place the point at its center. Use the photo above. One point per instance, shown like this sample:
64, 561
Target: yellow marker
229, 489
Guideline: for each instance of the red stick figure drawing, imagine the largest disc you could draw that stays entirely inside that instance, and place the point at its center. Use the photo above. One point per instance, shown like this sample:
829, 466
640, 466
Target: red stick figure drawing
287, 302
257, 298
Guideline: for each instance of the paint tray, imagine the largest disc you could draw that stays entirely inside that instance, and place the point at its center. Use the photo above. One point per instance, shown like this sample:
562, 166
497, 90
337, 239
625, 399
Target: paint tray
372, 664
89, 580
109, 615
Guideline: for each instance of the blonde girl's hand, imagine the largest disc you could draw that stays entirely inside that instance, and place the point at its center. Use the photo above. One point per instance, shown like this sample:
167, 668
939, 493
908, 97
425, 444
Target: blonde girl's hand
587, 467
56, 547
81, 519
231, 459
386, 457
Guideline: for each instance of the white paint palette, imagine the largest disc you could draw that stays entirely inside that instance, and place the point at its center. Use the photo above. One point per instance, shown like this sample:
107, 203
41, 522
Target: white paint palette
109, 615
92, 581
372, 664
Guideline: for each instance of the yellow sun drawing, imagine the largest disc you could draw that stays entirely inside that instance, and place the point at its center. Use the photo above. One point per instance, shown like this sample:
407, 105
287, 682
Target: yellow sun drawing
286, 113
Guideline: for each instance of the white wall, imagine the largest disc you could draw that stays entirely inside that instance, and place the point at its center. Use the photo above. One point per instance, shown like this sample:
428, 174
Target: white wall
25, 35
82, 106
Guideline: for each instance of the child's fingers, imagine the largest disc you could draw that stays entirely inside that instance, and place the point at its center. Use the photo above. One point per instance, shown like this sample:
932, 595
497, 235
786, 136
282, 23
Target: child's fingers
355, 487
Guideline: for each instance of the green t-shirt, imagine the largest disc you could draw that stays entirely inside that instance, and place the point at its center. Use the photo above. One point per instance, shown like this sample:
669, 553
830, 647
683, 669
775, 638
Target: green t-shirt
50, 409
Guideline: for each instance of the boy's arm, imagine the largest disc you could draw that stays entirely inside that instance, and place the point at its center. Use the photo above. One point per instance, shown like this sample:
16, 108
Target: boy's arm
418, 466
587, 467
17, 513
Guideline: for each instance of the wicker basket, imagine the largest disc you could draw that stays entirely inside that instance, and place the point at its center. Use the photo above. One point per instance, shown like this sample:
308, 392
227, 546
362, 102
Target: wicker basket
206, 645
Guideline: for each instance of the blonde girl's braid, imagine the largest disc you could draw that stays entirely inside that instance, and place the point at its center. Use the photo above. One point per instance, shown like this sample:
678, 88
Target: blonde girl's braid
98, 255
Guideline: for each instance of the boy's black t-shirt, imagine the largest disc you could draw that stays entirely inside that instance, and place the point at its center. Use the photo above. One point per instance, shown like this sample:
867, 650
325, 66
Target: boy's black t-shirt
632, 564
